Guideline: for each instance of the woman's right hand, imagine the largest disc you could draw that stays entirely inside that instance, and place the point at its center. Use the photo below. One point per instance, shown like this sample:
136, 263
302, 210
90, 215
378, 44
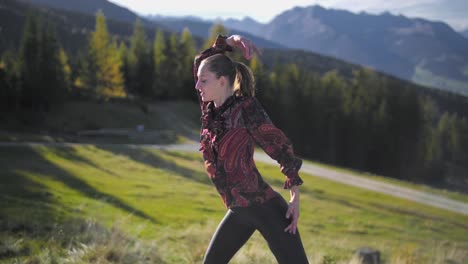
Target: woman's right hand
245, 44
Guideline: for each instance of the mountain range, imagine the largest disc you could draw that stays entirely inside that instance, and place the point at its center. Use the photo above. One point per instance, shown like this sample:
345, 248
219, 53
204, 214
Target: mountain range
418, 50
115, 12
202, 28
429, 53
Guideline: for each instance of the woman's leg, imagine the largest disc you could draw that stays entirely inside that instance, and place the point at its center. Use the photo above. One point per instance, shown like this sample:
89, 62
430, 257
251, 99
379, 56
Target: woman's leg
230, 236
271, 221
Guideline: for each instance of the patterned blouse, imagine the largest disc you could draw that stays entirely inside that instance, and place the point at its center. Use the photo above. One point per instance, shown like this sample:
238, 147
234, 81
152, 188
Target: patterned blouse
227, 139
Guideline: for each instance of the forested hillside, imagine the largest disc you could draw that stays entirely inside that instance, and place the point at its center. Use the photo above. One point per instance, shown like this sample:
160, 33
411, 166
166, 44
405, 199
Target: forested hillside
71, 28
333, 111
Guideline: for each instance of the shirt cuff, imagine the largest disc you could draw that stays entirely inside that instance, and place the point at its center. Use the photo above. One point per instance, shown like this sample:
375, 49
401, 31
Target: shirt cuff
220, 43
291, 181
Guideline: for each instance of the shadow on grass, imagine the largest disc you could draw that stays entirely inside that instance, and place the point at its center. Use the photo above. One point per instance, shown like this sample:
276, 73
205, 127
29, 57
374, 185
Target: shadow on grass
69, 153
149, 158
26, 206
26, 159
22, 199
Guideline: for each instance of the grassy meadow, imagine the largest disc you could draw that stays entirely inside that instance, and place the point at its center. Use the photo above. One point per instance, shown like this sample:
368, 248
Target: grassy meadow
120, 204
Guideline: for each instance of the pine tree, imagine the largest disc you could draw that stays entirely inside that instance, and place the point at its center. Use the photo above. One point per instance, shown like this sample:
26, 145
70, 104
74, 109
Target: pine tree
430, 152
97, 53
54, 84
103, 66
29, 62
160, 84
4, 88
67, 71
140, 62
462, 155
124, 68
10, 95
261, 79
187, 53
173, 68
41, 73
82, 80
113, 78
256, 65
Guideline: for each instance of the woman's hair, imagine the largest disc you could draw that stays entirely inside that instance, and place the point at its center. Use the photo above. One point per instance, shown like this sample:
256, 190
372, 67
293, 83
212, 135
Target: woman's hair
239, 75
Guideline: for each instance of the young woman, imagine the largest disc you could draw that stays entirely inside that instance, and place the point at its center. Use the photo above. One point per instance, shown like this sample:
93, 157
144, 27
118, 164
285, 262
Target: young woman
233, 121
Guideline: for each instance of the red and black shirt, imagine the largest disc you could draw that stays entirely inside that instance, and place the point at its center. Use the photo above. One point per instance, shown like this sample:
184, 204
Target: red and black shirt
227, 139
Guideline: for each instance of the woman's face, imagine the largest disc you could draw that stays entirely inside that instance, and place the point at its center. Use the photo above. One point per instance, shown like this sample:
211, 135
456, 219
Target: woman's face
209, 86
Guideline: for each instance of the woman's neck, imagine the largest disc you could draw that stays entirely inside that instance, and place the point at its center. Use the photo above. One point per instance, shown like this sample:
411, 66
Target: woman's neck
221, 99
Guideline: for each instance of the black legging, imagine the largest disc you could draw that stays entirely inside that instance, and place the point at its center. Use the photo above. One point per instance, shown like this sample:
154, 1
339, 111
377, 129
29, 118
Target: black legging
241, 222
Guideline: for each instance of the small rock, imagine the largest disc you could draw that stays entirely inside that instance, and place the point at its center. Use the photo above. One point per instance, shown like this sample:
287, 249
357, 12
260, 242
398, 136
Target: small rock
368, 255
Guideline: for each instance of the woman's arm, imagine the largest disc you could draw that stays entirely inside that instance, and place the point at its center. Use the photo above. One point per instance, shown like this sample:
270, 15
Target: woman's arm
275, 143
272, 140
293, 210
244, 44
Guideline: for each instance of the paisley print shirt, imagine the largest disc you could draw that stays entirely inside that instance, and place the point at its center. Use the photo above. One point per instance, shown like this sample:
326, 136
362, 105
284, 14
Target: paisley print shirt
228, 136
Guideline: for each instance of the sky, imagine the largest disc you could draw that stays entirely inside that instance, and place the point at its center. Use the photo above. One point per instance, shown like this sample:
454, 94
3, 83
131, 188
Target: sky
453, 12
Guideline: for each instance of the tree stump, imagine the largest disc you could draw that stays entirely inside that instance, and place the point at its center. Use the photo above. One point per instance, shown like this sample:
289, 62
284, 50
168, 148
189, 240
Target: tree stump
368, 255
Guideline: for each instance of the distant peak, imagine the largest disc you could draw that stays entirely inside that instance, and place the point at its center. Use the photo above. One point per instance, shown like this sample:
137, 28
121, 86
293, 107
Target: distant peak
387, 13
249, 19
316, 6
312, 8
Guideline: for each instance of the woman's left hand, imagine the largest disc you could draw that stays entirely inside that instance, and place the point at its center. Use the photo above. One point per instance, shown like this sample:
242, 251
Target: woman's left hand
293, 210
244, 44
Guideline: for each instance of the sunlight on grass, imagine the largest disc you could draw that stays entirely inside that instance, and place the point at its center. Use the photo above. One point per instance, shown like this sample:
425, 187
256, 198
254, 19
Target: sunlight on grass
118, 204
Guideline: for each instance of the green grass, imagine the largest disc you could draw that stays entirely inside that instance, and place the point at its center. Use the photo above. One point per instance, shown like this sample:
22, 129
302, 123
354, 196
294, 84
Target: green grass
117, 204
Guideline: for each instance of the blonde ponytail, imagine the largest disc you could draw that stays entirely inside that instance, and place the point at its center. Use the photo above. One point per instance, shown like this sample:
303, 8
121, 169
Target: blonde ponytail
244, 83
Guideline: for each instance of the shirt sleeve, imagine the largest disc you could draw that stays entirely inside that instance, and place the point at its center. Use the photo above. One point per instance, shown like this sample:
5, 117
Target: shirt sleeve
272, 140
219, 46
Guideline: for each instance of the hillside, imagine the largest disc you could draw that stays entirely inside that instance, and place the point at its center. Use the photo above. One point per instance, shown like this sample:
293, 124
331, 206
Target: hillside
120, 204
313, 62
88, 121
72, 28
91, 7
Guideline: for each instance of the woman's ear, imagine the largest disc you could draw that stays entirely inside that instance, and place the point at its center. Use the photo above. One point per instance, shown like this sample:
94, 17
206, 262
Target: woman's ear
222, 81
